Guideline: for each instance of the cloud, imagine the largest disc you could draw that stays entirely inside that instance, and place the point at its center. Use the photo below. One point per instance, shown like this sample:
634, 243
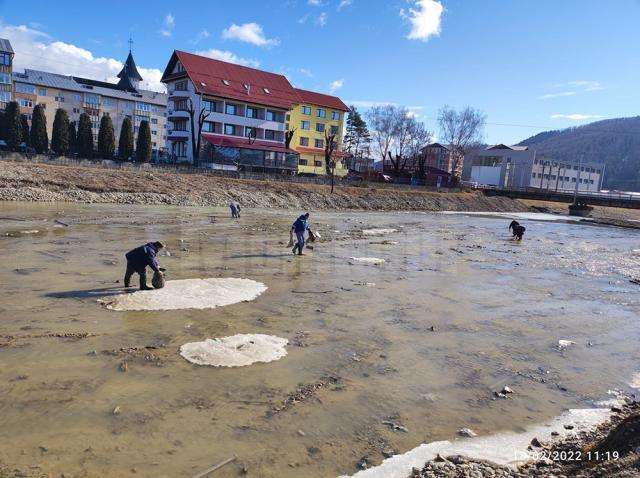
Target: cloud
425, 19
36, 50
576, 117
249, 33
335, 85
306, 72
344, 3
203, 35
304, 19
229, 57
557, 95
169, 25
315, 3
322, 19
369, 104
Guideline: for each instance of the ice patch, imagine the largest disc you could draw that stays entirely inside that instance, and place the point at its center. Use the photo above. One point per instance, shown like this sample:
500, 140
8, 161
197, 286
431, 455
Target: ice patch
563, 344
378, 232
189, 294
635, 381
534, 216
235, 351
507, 448
374, 261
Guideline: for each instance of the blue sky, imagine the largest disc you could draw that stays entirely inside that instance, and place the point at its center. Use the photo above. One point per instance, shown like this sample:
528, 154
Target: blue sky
537, 63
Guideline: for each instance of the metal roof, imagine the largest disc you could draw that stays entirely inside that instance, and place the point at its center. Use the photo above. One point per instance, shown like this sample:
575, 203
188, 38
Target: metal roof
5, 45
228, 80
328, 101
83, 85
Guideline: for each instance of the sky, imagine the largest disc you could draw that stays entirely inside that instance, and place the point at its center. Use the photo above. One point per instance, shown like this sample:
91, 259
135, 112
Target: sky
529, 65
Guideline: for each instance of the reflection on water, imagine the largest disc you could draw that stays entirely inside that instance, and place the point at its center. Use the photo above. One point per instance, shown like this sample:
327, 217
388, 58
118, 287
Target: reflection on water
456, 312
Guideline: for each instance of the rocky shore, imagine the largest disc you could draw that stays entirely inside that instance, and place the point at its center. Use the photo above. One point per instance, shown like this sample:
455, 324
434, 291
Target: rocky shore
48, 183
612, 450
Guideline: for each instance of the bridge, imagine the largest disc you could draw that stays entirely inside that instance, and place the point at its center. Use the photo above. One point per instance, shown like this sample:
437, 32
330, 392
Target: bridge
593, 198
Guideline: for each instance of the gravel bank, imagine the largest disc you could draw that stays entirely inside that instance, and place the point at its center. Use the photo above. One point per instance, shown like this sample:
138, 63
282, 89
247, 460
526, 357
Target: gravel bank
47, 183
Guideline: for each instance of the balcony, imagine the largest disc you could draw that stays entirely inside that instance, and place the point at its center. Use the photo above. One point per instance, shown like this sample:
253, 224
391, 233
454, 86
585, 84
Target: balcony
173, 113
173, 93
178, 134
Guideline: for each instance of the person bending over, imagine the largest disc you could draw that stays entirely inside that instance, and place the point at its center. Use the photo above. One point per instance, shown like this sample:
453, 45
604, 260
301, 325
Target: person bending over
137, 261
300, 227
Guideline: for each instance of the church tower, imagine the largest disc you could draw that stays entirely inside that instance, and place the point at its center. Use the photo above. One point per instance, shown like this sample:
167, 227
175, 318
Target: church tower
129, 75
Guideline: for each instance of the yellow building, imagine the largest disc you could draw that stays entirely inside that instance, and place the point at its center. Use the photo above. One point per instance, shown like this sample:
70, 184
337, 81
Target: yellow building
316, 115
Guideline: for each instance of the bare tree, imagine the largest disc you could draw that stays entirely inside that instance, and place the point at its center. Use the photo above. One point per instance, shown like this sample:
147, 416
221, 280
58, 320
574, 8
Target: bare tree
329, 158
460, 130
288, 136
195, 142
419, 138
382, 121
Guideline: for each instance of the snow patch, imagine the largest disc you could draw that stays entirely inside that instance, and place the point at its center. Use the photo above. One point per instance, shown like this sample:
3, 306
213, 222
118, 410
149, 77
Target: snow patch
508, 448
378, 232
374, 261
235, 351
635, 381
189, 294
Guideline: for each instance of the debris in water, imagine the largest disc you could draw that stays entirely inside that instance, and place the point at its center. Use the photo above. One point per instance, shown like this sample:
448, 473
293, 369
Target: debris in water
467, 432
375, 261
563, 344
395, 426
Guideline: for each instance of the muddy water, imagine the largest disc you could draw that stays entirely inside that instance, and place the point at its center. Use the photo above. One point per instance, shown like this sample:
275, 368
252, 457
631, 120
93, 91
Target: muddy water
361, 345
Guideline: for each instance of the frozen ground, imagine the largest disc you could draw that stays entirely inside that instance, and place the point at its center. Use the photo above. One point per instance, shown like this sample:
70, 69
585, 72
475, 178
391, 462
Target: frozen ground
457, 311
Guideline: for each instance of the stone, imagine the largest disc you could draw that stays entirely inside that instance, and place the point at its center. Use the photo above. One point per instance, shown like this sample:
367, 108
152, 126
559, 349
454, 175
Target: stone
535, 442
467, 432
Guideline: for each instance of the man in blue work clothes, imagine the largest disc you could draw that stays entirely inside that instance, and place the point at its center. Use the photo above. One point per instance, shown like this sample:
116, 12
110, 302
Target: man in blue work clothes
300, 227
137, 261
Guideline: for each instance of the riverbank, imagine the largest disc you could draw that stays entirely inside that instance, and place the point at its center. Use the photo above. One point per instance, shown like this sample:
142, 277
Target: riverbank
608, 216
50, 183
612, 449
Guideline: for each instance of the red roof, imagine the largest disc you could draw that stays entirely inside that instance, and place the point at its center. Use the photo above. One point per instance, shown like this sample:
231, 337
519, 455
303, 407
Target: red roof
208, 74
327, 101
234, 142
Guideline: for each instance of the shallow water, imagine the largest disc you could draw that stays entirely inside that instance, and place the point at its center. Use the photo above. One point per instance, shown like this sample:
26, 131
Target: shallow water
360, 344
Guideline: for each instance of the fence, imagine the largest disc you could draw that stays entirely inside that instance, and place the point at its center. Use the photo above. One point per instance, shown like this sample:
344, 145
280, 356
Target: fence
188, 169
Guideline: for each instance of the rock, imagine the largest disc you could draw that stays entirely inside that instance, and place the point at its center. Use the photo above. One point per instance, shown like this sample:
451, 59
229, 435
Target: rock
124, 366
568, 427
535, 442
467, 432
388, 453
506, 390
301, 433
116, 411
432, 329
456, 459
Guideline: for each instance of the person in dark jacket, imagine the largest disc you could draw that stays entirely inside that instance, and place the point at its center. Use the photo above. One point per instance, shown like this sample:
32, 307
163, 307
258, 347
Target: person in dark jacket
235, 209
137, 261
300, 227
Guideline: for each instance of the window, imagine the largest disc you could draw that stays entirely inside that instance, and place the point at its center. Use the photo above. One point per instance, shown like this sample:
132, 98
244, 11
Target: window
5, 59
317, 163
304, 125
179, 67
180, 124
181, 85
535, 161
154, 120
76, 97
229, 129
154, 132
231, 109
573, 180
91, 99
180, 105
334, 146
334, 129
42, 91
252, 112
320, 127
288, 117
25, 103
180, 149
154, 109
143, 106
209, 105
28, 89
533, 175
250, 132
271, 115
5, 96
320, 113
60, 99
319, 143
106, 102
303, 162
269, 134
304, 141
76, 110
335, 115
140, 118
306, 110
6, 79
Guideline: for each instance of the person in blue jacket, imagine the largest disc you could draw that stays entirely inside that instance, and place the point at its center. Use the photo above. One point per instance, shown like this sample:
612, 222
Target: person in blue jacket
137, 261
300, 227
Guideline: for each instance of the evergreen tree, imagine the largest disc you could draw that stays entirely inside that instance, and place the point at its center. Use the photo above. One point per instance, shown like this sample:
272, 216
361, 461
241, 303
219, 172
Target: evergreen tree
24, 124
106, 138
84, 141
143, 146
125, 144
13, 125
39, 137
3, 126
60, 135
73, 140
357, 134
